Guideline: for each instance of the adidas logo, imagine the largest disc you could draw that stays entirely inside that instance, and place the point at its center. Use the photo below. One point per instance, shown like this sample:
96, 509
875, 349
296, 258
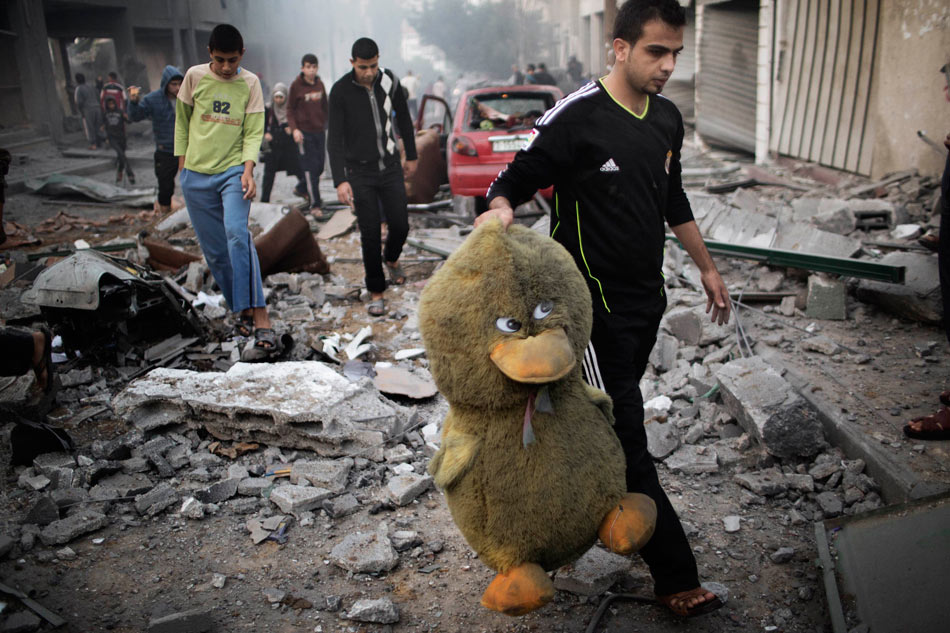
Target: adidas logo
610, 165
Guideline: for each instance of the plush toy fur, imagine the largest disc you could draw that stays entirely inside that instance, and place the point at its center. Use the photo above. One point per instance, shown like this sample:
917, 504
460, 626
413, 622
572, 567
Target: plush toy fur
516, 503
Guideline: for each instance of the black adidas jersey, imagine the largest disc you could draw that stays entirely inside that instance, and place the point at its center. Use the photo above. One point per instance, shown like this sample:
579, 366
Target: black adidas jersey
617, 180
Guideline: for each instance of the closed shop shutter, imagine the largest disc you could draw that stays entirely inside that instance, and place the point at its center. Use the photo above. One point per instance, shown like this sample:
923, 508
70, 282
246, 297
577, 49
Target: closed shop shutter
726, 82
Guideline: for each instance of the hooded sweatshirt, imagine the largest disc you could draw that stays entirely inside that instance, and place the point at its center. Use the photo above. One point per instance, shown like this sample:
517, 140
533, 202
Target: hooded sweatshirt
161, 110
307, 106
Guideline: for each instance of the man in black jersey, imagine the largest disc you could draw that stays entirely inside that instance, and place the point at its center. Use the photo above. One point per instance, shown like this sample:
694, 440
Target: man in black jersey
612, 151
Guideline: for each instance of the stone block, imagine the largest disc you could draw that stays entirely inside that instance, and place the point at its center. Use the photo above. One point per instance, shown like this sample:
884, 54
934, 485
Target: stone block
663, 356
693, 460
821, 344
253, 486
826, 299
405, 539
379, 611
693, 327
121, 485
835, 216
302, 404
290, 498
341, 506
365, 552
65, 530
769, 409
918, 298
662, 438
593, 573
325, 473
157, 499
766, 483
218, 492
194, 621
402, 489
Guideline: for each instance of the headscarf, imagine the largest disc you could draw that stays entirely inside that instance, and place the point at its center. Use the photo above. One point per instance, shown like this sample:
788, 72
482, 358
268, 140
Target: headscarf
280, 111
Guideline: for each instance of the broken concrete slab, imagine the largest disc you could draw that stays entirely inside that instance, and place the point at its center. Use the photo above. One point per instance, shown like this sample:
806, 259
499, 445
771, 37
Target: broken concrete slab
300, 404
365, 552
593, 573
663, 356
341, 506
766, 483
826, 299
325, 473
662, 438
821, 344
379, 611
295, 499
769, 409
692, 326
156, 500
402, 382
65, 530
218, 492
918, 298
403, 489
693, 460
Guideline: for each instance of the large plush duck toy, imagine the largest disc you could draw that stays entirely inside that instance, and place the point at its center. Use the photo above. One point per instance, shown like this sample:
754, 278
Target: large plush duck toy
530, 466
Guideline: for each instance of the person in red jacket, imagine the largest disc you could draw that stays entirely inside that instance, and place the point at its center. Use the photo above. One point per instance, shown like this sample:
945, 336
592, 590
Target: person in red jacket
307, 113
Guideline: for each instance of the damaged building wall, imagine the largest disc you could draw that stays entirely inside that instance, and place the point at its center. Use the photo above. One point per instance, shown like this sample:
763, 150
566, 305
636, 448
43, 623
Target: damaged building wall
907, 93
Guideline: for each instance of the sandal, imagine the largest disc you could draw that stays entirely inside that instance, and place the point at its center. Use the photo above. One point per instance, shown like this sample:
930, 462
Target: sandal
244, 326
265, 339
376, 307
396, 274
46, 362
931, 427
676, 603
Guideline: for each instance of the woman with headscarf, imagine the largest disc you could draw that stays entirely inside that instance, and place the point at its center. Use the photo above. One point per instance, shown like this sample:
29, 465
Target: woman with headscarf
281, 153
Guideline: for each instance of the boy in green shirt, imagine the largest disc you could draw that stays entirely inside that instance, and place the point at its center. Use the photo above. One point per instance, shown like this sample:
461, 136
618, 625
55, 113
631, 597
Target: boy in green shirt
219, 124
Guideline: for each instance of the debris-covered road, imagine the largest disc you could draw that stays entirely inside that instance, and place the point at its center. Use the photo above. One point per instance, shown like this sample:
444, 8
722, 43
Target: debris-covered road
294, 496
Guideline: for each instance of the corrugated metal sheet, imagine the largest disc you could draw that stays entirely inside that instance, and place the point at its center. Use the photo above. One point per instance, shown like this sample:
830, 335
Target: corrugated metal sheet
726, 82
823, 82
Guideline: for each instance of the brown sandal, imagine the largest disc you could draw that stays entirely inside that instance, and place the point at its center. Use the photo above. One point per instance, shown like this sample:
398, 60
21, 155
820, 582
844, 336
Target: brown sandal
932, 427
676, 603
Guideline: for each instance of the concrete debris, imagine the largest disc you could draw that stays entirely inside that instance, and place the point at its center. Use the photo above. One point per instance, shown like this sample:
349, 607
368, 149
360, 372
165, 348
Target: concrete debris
296, 499
731, 523
401, 382
365, 552
830, 504
661, 438
693, 327
403, 489
341, 506
770, 280
65, 530
692, 460
593, 573
379, 611
325, 473
766, 483
769, 409
157, 499
21, 622
293, 404
663, 356
918, 299
403, 540
826, 299
906, 232
821, 344
218, 492
782, 555
192, 508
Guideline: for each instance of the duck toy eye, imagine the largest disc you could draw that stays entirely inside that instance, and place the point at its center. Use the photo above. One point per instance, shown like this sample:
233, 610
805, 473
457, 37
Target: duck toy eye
508, 325
543, 309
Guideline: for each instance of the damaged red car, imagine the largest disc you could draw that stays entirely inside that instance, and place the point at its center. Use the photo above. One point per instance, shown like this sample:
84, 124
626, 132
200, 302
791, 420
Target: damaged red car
491, 124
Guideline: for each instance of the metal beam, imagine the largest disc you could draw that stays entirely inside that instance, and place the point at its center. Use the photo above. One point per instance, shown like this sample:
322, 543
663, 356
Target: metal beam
808, 261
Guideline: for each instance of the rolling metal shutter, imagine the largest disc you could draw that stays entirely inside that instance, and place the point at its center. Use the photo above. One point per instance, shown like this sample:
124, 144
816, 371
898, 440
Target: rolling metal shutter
823, 82
726, 81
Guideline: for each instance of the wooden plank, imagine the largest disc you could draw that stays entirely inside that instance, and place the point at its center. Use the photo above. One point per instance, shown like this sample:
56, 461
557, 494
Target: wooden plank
795, 54
815, 76
801, 90
827, 81
850, 85
837, 86
859, 123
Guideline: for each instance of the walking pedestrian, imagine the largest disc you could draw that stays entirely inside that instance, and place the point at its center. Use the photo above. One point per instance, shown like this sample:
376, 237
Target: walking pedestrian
87, 102
281, 154
307, 113
612, 151
365, 163
159, 106
114, 127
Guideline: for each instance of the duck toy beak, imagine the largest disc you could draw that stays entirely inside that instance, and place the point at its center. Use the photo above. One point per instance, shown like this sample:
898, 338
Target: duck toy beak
536, 359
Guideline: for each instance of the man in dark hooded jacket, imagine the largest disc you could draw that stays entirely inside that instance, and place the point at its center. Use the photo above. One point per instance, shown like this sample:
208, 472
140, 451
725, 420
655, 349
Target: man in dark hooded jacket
159, 106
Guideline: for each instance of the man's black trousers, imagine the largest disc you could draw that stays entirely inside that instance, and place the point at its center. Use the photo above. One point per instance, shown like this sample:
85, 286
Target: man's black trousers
166, 167
374, 190
615, 361
16, 352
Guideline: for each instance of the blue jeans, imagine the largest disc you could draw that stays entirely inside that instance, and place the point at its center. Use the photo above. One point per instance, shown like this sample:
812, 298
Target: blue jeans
312, 160
218, 213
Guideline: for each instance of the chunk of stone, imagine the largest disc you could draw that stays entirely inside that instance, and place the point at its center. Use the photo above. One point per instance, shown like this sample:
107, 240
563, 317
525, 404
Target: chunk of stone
365, 552
324, 473
693, 460
918, 298
769, 409
65, 530
378, 611
821, 344
826, 299
21, 622
253, 486
800, 482
403, 489
663, 356
405, 539
766, 483
770, 280
43, 512
191, 508
34, 482
731, 523
787, 306
300, 404
782, 555
593, 573
835, 218
824, 470
121, 485
399, 454
194, 621
291, 498
218, 492
341, 506
156, 500
830, 504
693, 327
906, 231
662, 439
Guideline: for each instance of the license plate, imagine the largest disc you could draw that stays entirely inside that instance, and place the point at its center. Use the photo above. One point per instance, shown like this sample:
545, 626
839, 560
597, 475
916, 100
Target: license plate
508, 143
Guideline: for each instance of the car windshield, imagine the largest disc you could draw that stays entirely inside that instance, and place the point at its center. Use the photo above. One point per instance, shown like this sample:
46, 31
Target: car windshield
507, 110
